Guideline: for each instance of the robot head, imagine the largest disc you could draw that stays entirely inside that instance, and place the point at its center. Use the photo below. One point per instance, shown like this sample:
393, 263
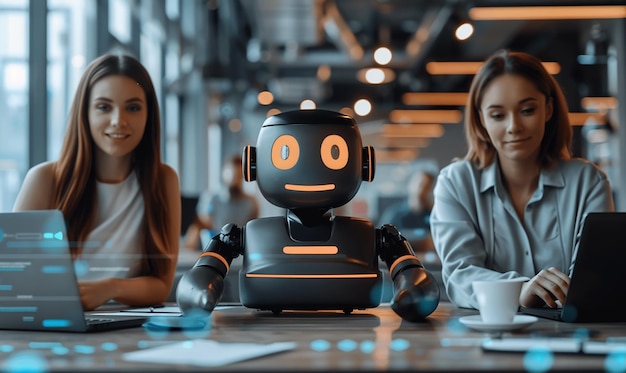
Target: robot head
309, 158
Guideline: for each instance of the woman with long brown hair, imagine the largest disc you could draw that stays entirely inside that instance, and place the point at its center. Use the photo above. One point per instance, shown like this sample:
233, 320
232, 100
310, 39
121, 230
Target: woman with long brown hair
121, 203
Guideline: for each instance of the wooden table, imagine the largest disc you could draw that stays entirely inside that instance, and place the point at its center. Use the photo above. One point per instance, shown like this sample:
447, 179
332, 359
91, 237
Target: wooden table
367, 340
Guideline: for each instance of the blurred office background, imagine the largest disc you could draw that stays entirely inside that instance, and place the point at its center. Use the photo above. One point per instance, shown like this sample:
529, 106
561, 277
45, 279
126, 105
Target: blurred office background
221, 66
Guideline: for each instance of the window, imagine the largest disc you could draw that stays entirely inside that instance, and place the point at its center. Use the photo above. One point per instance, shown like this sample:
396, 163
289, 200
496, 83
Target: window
13, 98
67, 41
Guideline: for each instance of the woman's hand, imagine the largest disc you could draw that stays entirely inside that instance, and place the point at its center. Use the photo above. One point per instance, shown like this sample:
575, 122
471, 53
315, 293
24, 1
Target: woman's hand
547, 287
94, 294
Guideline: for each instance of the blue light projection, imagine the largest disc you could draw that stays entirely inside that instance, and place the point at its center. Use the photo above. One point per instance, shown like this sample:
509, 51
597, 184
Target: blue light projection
84, 349
320, 345
455, 326
194, 324
254, 256
109, 346
399, 345
26, 361
367, 346
615, 361
81, 267
6, 348
581, 333
538, 360
347, 345
44, 345
427, 305
60, 350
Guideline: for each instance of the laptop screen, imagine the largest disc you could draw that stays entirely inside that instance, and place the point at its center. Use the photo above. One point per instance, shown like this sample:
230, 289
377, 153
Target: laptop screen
38, 288
594, 293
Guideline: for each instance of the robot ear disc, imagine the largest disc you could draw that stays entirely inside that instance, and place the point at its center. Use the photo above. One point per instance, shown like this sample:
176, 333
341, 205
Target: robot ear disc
369, 164
248, 163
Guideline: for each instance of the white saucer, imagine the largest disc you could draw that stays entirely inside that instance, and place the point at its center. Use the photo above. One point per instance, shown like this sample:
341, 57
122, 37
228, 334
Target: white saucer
476, 323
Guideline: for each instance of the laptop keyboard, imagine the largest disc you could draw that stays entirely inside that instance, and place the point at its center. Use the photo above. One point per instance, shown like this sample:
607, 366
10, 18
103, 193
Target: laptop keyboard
94, 321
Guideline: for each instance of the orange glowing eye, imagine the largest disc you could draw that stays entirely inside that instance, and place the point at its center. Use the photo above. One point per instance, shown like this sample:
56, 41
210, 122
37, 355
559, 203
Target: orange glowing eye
285, 152
334, 152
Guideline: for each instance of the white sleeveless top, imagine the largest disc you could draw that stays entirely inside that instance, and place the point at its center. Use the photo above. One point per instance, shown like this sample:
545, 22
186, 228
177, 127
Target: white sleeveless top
115, 245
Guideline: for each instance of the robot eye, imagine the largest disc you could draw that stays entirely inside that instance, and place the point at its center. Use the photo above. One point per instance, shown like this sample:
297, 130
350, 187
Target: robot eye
334, 151
285, 152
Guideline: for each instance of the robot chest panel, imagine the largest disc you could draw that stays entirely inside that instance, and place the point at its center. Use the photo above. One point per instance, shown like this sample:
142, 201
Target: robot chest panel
269, 237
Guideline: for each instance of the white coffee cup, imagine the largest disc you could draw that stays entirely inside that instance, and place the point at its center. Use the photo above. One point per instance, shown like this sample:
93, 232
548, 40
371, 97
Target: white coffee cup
498, 300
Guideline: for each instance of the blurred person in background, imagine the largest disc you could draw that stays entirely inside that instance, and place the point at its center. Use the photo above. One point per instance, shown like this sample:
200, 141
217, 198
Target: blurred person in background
231, 204
412, 215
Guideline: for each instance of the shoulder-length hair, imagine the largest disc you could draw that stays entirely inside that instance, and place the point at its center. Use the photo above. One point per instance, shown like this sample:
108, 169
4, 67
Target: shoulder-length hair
75, 177
557, 139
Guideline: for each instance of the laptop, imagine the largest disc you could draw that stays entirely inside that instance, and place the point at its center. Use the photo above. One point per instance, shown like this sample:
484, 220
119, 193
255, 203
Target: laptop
595, 293
38, 286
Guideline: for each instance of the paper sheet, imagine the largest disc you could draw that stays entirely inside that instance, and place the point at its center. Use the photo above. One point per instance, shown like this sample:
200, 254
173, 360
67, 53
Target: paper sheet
203, 352
145, 312
149, 312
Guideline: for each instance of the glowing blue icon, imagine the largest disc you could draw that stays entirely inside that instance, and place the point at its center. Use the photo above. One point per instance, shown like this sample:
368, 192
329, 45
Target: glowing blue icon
51, 235
56, 323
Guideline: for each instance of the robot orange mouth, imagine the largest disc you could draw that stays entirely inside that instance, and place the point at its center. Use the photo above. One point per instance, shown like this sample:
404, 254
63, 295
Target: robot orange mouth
310, 188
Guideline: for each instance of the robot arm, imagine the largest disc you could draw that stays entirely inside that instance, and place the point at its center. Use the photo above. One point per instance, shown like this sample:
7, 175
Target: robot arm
415, 290
202, 286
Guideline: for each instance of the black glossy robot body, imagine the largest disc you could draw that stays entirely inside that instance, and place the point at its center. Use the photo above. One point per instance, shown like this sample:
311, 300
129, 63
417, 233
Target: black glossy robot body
309, 162
338, 269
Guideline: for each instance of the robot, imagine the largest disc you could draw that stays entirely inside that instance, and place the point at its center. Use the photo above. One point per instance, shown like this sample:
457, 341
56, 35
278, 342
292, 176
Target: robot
310, 162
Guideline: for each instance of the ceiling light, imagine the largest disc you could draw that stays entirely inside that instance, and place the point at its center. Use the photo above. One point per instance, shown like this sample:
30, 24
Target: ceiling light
426, 116
598, 103
323, 73
382, 55
547, 12
362, 107
435, 98
453, 68
430, 130
581, 119
471, 68
265, 98
396, 155
464, 31
376, 75
271, 112
347, 111
307, 105
405, 142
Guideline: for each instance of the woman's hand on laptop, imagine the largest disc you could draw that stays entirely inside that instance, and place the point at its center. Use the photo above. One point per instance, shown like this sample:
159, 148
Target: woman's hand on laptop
547, 287
93, 294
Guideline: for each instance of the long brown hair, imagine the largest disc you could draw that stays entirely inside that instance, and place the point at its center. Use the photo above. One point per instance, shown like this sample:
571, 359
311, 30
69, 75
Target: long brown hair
557, 139
75, 178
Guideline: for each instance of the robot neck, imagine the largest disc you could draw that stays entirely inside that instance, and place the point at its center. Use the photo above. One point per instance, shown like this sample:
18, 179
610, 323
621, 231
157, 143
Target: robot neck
309, 224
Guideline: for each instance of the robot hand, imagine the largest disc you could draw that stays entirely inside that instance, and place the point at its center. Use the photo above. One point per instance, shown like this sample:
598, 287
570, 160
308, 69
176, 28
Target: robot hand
203, 285
415, 290
415, 293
